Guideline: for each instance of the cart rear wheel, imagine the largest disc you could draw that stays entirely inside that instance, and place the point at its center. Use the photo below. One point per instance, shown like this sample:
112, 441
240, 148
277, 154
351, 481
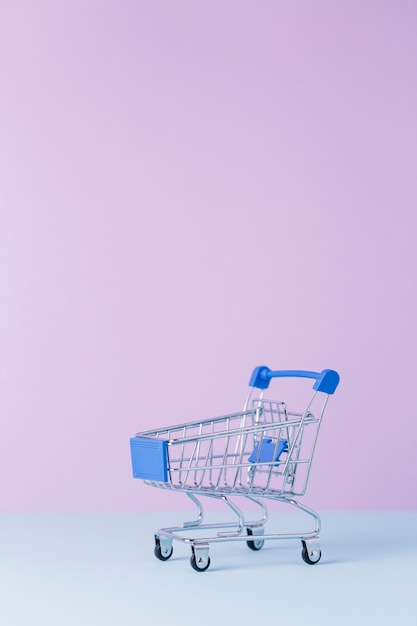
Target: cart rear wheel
162, 554
254, 544
309, 556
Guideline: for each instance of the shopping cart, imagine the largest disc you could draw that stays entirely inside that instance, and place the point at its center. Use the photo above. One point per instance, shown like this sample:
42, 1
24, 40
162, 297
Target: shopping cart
263, 452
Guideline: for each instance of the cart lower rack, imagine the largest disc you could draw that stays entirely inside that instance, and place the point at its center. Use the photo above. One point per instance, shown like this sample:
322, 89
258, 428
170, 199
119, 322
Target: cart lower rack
263, 452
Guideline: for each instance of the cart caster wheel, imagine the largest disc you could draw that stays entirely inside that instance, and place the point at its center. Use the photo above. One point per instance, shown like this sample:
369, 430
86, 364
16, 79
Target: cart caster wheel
163, 554
255, 544
200, 560
160, 556
195, 565
310, 555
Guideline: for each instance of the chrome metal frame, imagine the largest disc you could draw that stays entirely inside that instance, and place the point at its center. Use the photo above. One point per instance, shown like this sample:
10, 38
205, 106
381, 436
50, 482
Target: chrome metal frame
211, 458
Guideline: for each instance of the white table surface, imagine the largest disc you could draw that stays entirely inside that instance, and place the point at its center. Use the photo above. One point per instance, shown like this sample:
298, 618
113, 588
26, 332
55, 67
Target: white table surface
78, 569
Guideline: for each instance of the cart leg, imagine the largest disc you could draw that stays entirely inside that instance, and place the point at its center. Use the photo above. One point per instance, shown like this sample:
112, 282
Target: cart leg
200, 560
239, 514
264, 512
256, 531
308, 511
163, 548
311, 552
200, 508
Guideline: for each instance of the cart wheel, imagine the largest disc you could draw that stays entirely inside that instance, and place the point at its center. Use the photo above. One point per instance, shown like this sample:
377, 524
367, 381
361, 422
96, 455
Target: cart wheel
162, 555
255, 544
196, 566
310, 557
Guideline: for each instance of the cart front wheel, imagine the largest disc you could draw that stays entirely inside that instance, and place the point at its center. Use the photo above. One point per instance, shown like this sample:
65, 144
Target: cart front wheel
254, 544
195, 564
309, 555
200, 560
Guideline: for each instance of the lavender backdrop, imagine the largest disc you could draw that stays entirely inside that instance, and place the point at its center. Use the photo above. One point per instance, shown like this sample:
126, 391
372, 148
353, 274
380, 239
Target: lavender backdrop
190, 189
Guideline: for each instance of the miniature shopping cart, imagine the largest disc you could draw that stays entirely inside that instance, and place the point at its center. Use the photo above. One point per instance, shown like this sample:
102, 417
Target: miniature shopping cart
263, 452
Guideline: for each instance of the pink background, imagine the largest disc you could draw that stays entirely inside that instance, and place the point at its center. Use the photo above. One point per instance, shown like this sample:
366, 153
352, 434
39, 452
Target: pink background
190, 189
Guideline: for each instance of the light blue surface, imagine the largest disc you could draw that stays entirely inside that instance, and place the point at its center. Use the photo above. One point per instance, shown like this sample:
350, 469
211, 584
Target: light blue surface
87, 569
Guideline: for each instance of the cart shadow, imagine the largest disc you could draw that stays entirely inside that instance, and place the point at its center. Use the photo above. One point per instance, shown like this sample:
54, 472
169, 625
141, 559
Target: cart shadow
335, 552
348, 539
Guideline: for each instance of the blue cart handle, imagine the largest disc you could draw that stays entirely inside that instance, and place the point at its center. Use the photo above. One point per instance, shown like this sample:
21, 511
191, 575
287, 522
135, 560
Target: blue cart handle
326, 381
